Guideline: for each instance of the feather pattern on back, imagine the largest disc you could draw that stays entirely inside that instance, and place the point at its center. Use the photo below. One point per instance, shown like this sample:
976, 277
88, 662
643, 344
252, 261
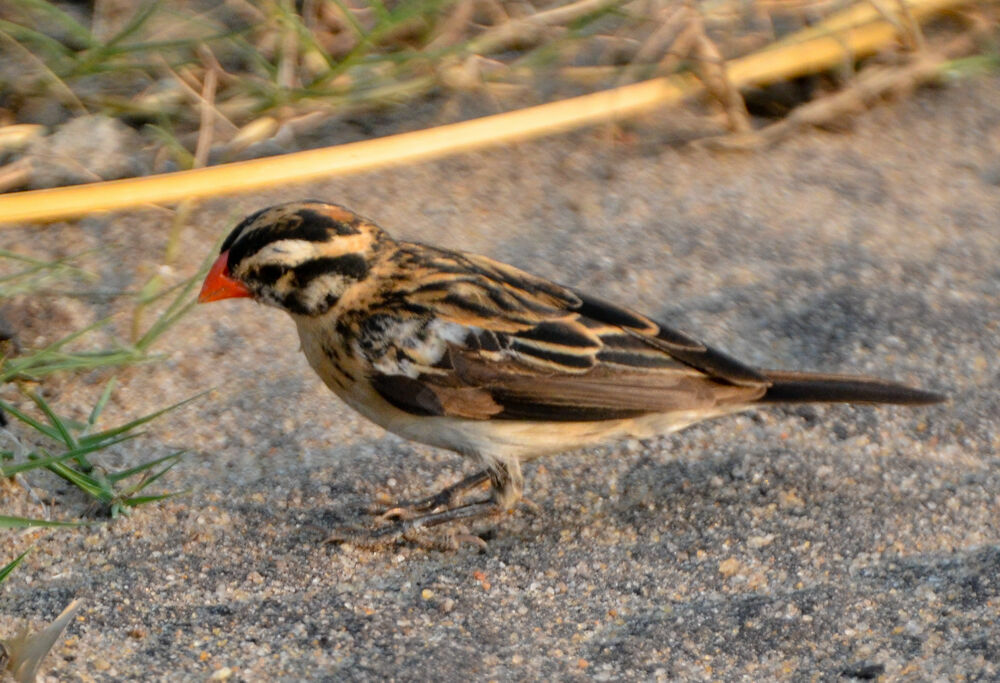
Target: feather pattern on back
466, 336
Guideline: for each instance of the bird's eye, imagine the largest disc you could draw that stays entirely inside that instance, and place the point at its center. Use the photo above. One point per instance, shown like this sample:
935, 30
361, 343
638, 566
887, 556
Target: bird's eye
269, 273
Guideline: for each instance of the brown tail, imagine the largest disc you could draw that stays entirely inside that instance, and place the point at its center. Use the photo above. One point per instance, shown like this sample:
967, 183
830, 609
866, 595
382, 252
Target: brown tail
801, 387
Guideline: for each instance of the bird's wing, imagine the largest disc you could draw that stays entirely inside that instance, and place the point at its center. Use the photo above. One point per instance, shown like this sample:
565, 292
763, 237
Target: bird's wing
474, 338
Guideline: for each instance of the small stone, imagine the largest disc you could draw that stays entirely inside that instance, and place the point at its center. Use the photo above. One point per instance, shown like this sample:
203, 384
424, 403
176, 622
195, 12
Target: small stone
791, 499
729, 567
85, 149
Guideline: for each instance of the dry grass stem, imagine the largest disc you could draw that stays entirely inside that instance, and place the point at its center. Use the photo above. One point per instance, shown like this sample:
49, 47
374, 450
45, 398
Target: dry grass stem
208, 114
530, 29
867, 87
15, 174
454, 28
855, 32
191, 89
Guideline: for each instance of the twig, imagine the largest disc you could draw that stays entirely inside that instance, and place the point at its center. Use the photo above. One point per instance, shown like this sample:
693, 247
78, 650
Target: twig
197, 97
868, 86
528, 30
711, 69
15, 174
206, 128
673, 23
70, 98
452, 29
289, 58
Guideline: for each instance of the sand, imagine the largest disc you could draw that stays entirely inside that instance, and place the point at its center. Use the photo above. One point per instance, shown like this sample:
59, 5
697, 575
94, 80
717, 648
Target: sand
787, 543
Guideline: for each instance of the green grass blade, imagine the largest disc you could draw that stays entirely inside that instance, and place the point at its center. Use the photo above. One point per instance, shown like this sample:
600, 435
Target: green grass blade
101, 403
7, 569
85, 483
147, 481
36, 366
30, 421
128, 426
161, 325
22, 274
116, 477
77, 30
37, 462
55, 420
14, 256
37, 265
100, 54
8, 522
160, 46
59, 343
23, 34
177, 308
136, 501
137, 21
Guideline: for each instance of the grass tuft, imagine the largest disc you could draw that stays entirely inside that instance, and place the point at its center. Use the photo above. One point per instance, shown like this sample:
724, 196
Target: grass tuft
65, 447
106, 489
344, 56
57, 357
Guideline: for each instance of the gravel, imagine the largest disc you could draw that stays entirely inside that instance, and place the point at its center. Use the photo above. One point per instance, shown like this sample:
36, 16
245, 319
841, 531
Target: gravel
816, 542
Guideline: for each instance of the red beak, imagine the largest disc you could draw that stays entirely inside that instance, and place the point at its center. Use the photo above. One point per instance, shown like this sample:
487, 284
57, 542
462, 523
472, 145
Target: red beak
218, 285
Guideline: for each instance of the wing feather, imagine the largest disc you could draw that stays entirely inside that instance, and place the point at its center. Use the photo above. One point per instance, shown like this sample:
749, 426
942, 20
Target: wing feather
529, 349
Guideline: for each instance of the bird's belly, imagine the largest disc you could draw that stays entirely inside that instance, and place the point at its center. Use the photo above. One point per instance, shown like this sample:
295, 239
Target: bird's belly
522, 440
488, 439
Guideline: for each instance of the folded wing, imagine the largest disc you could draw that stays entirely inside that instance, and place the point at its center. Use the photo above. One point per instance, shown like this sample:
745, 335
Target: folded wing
510, 345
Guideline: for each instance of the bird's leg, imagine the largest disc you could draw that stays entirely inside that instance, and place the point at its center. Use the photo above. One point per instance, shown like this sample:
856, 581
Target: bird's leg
387, 534
507, 483
508, 487
444, 498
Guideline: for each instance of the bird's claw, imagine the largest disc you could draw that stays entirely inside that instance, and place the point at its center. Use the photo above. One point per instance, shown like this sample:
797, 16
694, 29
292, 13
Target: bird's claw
399, 513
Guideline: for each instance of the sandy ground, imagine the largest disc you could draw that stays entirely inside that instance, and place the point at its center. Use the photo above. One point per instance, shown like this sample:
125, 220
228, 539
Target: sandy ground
800, 543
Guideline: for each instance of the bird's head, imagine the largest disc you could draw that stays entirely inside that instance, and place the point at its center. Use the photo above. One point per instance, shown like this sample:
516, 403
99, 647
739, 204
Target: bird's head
300, 257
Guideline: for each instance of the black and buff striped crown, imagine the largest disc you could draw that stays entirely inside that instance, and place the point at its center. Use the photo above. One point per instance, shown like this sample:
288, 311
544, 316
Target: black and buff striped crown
301, 256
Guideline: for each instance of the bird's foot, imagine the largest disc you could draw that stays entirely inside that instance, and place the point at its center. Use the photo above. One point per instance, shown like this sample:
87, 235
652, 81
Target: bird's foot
403, 528
531, 506
445, 498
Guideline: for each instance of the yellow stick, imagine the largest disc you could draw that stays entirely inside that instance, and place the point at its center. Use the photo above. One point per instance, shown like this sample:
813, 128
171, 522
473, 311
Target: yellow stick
824, 49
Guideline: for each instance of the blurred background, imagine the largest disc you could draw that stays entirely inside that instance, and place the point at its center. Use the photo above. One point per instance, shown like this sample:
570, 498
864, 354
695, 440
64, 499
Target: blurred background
101, 90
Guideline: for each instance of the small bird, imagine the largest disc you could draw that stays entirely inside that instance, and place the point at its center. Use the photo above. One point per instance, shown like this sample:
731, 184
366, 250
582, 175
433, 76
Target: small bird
466, 353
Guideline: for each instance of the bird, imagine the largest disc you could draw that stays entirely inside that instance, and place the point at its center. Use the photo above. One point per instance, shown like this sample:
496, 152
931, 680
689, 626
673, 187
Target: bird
466, 353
